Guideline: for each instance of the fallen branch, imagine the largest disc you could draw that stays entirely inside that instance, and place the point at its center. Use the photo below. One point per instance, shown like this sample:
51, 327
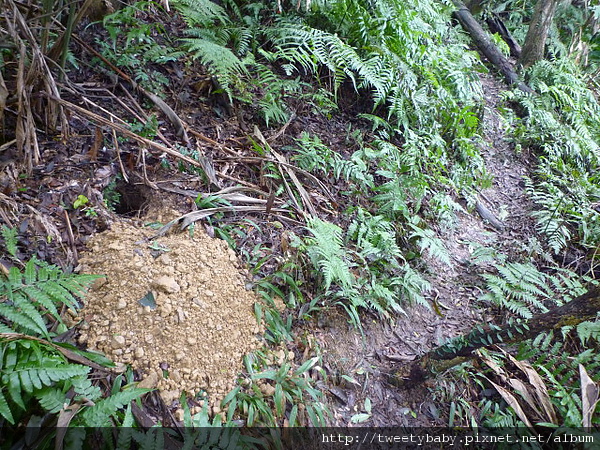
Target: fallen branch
275, 161
303, 194
160, 104
461, 349
487, 47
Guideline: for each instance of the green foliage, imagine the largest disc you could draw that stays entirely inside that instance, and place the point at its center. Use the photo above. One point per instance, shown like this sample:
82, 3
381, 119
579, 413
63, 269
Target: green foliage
400, 62
428, 241
274, 391
561, 124
558, 366
100, 414
588, 330
328, 255
279, 329
28, 370
133, 46
148, 129
274, 92
366, 268
525, 291
34, 295
111, 196
211, 30
219, 60
315, 157
33, 369
201, 12
10, 240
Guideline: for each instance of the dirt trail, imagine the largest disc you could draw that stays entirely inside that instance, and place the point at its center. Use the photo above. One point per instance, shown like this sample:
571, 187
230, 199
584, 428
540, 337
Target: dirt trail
455, 289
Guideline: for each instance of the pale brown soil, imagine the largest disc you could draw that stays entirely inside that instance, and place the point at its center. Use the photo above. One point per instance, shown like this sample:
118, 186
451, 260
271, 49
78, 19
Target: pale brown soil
202, 324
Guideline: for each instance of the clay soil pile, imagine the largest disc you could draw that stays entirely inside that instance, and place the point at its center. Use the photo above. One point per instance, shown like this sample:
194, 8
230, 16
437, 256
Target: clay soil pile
175, 308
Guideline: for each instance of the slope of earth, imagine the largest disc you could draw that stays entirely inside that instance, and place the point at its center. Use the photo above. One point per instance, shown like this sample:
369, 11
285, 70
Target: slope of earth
369, 359
188, 341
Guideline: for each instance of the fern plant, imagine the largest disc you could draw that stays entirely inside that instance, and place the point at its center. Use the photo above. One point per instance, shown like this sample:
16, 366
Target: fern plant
34, 295
211, 32
561, 125
363, 269
427, 240
559, 368
400, 67
34, 370
524, 290
133, 45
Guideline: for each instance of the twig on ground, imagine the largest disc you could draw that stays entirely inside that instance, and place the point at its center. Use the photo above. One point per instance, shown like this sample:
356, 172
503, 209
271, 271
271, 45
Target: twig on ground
118, 152
194, 216
291, 166
160, 103
303, 193
70, 233
283, 128
126, 132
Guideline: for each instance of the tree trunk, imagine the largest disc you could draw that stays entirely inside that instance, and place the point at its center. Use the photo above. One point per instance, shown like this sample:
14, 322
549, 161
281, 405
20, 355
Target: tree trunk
535, 42
584, 307
486, 46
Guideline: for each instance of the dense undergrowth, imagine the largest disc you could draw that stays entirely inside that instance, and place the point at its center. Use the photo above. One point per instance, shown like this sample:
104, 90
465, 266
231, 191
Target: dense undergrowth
416, 81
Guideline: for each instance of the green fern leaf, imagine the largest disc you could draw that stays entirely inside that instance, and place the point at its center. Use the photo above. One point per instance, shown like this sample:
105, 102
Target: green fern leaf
99, 415
60, 294
40, 297
10, 239
430, 243
30, 272
83, 387
588, 330
14, 390
5, 409
51, 399
221, 61
200, 12
14, 276
6, 329
24, 315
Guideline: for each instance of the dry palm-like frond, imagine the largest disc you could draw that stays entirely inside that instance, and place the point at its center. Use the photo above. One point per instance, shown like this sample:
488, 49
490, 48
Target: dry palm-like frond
33, 75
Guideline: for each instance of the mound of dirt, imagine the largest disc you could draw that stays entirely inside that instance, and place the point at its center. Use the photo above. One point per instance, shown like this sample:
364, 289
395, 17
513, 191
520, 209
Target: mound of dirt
175, 308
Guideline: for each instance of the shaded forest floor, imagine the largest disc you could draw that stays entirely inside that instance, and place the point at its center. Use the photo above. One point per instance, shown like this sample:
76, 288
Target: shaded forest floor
356, 364
454, 297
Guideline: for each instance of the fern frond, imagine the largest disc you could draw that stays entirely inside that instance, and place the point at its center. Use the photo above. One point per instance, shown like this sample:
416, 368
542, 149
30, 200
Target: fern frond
327, 253
413, 286
221, 61
5, 409
39, 290
28, 366
524, 290
83, 387
588, 330
100, 414
23, 314
10, 239
200, 12
428, 241
52, 399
